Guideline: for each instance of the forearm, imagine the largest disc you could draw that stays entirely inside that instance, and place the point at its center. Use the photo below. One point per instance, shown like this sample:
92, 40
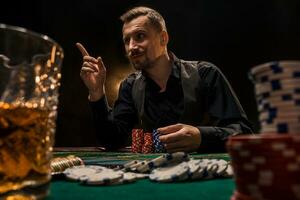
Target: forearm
110, 133
213, 138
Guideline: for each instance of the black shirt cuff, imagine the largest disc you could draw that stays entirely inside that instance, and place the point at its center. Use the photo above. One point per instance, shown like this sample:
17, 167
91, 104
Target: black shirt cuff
100, 106
210, 140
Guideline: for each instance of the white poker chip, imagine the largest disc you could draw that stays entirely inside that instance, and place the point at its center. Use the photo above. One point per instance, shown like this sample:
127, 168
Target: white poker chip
211, 169
194, 166
229, 172
163, 160
105, 177
201, 172
177, 172
129, 177
141, 176
76, 172
130, 164
222, 166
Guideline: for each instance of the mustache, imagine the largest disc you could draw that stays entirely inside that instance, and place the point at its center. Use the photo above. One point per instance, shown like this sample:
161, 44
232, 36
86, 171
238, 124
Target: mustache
134, 53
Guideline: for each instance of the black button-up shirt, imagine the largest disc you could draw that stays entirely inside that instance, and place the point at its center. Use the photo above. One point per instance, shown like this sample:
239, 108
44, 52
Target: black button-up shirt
114, 126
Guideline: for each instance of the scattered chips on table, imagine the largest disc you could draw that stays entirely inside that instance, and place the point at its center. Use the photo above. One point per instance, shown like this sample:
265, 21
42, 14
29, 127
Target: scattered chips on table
172, 167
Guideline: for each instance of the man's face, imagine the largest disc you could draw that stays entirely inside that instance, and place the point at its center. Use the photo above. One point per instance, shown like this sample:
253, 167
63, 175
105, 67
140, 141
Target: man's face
142, 43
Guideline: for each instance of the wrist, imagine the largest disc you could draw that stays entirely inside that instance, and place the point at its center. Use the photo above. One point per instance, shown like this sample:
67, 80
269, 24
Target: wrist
96, 95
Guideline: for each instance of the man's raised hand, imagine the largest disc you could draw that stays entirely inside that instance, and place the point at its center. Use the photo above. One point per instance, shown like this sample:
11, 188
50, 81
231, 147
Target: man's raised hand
93, 74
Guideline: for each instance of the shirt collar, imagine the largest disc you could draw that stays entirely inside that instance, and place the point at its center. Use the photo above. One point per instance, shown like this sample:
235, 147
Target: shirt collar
175, 66
175, 72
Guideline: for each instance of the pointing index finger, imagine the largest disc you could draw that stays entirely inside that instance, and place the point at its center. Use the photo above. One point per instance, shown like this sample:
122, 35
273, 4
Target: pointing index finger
82, 49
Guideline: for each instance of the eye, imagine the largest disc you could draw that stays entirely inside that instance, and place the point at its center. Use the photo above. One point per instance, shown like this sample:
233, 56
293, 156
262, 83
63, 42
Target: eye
126, 40
140, 36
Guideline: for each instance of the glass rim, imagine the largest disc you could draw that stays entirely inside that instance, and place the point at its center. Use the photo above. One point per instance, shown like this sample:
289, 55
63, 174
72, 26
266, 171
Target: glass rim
25, 30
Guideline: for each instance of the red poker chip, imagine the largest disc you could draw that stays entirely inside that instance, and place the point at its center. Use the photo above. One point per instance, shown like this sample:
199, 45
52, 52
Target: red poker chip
137, 140
266, 166
148, 144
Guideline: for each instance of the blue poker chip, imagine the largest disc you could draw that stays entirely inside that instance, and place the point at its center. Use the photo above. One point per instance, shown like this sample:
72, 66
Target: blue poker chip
280, 99
282, 127
172, 173
269, 76
269, 94
275, 67
158, 145
277, 86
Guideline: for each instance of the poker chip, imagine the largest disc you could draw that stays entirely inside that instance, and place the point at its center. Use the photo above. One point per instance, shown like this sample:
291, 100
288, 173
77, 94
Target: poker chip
137, 140
170, 167
222, 167
148, 144
163, 160
172, 173
277, 85
281, 128
266, 166
77, 172
275, 67
277, 88
105, 177
131, 164
286, 73
281, 115
197, 168
158, 145
228, 172
59, 164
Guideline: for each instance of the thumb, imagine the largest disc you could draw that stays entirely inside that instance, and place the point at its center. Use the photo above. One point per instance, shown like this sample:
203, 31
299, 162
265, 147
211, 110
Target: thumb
170, 129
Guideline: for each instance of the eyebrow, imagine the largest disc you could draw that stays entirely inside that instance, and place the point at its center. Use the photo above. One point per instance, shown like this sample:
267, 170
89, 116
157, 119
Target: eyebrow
135, 31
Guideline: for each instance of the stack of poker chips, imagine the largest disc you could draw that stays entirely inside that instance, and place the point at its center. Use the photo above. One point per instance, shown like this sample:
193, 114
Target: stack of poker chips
158, 145
59, 164
137, 136
267, 165
146, 142
277, 87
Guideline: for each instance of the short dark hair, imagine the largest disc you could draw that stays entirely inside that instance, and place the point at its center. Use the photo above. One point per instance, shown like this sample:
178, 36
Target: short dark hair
154, 17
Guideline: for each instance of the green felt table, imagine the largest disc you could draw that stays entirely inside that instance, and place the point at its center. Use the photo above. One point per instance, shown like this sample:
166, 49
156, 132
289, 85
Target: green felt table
142, 189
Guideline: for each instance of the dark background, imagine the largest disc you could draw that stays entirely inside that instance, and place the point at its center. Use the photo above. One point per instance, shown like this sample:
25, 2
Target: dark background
234, 35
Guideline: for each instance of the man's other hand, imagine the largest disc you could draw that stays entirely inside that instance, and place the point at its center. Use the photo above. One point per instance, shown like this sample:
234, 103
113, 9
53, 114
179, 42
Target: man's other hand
180, 137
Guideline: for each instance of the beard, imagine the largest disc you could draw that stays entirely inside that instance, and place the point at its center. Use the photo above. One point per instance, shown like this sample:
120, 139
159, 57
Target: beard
141, 64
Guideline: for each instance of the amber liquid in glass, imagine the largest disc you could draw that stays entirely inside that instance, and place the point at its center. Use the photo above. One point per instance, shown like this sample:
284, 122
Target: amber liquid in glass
26, 139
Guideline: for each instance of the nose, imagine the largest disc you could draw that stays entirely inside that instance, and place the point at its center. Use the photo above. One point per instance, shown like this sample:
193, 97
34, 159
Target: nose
132, 45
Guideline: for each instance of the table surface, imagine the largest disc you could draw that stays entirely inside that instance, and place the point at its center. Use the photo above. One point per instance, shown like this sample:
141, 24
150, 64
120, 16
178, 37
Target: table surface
142, 189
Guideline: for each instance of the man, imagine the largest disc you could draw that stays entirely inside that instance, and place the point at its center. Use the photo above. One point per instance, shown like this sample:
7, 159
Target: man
190, 102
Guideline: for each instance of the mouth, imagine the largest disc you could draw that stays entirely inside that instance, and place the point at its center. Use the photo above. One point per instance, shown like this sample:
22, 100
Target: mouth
136, 56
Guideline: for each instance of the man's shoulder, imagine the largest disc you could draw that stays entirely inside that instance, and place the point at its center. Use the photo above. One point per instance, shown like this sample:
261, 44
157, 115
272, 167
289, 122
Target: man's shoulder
129, 80
203, 67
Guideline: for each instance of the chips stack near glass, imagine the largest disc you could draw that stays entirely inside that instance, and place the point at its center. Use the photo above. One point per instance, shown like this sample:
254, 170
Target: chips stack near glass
59, 164
267, 165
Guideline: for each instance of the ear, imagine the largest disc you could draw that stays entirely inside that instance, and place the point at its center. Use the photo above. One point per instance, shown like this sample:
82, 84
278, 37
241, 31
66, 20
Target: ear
164, 38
